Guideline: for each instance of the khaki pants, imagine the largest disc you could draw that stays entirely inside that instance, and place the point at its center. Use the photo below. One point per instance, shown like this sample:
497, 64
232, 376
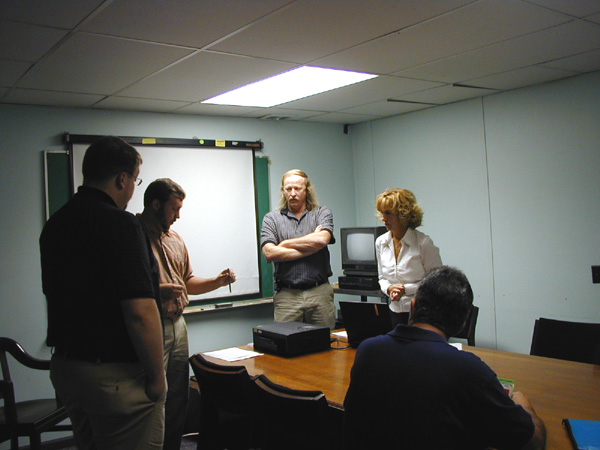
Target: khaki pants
107, 405
177, 368
314, 305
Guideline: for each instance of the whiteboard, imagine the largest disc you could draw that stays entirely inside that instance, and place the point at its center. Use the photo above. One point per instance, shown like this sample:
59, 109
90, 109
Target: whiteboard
218, 219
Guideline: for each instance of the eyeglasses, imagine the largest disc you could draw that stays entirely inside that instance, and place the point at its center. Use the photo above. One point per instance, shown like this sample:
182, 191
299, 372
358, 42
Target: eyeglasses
136, 180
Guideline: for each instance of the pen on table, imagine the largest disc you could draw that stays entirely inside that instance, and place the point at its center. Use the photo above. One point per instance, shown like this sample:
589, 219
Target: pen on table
229, 279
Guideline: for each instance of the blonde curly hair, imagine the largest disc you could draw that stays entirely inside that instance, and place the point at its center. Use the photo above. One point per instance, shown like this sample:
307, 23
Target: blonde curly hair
402, 202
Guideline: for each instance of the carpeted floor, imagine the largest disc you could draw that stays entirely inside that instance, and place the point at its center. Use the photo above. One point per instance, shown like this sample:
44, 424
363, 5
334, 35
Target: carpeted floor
187, 443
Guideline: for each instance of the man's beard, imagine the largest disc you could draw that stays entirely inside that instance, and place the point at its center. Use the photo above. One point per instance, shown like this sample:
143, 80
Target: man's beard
161, 217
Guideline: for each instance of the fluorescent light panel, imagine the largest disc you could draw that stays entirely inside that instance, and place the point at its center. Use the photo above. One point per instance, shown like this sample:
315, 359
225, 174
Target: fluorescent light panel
289, 86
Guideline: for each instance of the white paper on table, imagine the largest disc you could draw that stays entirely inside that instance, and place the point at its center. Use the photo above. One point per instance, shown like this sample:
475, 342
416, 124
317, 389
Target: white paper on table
232, 354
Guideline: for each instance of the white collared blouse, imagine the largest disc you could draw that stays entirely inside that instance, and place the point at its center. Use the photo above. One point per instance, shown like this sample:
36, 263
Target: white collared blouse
417, 256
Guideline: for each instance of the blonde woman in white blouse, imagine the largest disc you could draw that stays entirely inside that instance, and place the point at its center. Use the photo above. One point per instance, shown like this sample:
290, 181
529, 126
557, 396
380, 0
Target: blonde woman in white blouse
404, 255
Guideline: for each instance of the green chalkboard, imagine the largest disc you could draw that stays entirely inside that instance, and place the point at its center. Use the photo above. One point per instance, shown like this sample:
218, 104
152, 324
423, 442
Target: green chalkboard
261, 172
56, 169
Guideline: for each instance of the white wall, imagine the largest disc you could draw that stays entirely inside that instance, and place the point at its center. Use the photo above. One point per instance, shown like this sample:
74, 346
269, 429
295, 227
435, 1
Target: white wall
511, 193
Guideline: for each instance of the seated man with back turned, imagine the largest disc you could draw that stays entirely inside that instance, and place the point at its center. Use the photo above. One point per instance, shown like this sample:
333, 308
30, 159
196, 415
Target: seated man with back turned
413, 390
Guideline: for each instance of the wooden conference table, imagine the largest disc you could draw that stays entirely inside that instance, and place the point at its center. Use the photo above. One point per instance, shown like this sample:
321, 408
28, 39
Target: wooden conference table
558, 389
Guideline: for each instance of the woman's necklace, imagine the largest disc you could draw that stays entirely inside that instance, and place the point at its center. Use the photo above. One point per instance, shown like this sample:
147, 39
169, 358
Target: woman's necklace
397, 246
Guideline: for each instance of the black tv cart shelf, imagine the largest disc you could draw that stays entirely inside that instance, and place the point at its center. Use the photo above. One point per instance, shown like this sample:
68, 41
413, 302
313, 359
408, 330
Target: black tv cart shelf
363, 293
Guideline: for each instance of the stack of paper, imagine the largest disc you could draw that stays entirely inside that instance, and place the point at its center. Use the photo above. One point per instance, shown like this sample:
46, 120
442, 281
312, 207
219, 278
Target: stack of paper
233, 354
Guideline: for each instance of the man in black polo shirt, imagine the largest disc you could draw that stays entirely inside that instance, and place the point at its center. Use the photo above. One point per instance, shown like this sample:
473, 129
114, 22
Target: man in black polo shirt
295, 238
412, 390
101, 285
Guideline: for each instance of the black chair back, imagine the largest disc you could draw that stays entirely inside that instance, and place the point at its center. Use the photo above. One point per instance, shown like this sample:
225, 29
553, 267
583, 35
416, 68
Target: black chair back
296, 419
227, 399
468, 332
572, 341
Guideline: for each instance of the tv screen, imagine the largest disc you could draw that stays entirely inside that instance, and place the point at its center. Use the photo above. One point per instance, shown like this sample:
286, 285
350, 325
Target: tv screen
360, 247
358, 250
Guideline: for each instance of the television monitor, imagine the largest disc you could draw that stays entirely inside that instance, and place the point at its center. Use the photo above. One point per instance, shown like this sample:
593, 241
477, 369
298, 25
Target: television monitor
358, 250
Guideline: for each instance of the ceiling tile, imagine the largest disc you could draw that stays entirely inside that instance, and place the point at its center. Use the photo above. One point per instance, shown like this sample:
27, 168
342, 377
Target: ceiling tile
11, 71
594, 18
50, 98
23, 42
100, 65
577, 8
310, 29
446, 94
187, 81
168, 55
61, 14
583, 62
214, 110
535, 48
276, 113
473, 26
526, 76
188, 23
366, 92
138, 104
385, 108
341, 118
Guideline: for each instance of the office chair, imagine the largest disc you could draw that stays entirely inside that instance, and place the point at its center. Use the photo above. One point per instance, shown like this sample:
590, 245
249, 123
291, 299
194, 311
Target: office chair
27, 418
228, 405
295, 419
468, 332
572, 341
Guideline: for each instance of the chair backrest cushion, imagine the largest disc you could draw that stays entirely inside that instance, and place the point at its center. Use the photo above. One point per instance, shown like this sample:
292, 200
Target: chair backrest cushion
294, 419
227, 387
572, 341
468, 331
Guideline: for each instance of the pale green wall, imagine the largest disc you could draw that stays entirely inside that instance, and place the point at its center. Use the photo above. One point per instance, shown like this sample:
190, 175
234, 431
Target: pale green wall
544, 172
26, 131
511, 193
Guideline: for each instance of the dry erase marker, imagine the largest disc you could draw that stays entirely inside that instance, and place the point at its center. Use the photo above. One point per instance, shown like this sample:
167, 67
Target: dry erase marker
229, 279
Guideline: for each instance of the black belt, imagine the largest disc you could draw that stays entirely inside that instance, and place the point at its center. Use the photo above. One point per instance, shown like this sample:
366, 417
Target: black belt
302, 286
82, 355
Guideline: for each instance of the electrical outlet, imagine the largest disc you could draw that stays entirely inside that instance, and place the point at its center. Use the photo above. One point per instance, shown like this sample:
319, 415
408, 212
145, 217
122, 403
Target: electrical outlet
595, 274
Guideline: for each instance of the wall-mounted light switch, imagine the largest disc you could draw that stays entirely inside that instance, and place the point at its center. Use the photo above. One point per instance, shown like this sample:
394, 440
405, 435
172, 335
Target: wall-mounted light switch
595, 274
